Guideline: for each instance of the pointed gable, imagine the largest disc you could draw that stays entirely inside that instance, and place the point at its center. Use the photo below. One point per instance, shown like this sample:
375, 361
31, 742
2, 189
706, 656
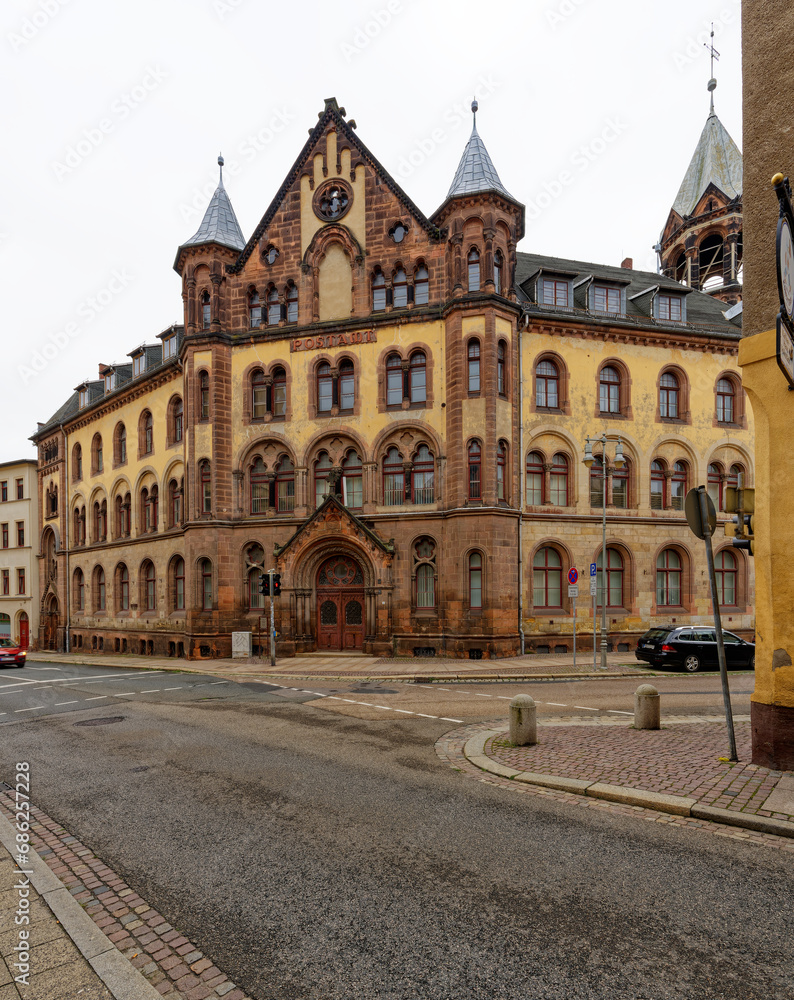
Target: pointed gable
332, 510
716, 161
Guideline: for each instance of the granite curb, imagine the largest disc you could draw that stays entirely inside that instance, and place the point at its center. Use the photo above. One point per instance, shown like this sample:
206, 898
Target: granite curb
677, 805
112, 968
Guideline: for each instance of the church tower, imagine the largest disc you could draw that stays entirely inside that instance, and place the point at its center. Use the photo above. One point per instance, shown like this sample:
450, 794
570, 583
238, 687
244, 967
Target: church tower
701, 244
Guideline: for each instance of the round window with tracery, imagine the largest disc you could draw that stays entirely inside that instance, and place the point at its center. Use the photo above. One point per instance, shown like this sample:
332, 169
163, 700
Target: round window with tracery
332, 201
340, 572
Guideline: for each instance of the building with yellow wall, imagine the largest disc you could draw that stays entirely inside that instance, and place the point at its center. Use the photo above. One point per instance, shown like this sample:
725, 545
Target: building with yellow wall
390, 410
19, 544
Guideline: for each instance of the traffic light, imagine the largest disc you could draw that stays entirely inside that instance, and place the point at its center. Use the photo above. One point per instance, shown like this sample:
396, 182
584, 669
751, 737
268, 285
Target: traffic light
264, 585
276, 584
741, 528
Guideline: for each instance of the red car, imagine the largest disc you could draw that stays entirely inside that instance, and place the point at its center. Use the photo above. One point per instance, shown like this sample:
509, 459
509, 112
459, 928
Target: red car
11, 653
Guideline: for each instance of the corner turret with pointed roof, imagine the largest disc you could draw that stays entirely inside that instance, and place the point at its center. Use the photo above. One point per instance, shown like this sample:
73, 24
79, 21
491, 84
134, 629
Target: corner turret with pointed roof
701, 244
219, 224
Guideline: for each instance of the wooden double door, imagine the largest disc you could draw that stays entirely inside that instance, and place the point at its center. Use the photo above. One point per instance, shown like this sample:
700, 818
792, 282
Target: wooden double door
340, 605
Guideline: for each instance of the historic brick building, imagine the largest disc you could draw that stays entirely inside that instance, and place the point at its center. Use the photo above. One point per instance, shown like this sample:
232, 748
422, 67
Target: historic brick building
391, 411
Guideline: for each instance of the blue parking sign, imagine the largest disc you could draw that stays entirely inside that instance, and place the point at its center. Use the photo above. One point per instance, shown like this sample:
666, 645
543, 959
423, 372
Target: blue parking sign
592, 569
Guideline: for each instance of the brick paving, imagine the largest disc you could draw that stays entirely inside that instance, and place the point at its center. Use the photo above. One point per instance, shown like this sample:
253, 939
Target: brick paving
171, 963
695, 767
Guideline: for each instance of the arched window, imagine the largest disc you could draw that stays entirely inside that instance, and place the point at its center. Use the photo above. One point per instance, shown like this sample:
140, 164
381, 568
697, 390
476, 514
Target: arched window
177, 420
99, 589
668, 396
77, 463
206, 311
678, 485
475, 458
474, 365
254, 308
325, 387
178, 571
149, 506
501, 471
498, 263
393, 479
174, 503
347, 386
149, 586
394, 380
322, 470
205, 484
621, 481
260, 490
474, 270
254, 559
710, 261
501, 368
285, 485
100, 521
79, 590
204, 396
558, 480
279, 392
421, 286
547, 385
609, 390
123, 587
120, 444
657, 486
352, 482
668, 579
725, 566
258, 394
378, 291
97, 460
734, 473
715, 484
425, 571
205, 584
475, 580
422, 476
680, 269
273, 308
292, 302
400, 289
614, 582
597, 482
147, 433
418, 377
726, 401
547, 578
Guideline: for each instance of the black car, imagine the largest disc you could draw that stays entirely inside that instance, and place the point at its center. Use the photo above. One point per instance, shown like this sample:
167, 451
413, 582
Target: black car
694, 647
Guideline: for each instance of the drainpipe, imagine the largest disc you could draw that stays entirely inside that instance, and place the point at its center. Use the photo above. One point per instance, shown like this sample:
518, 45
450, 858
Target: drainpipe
521, 322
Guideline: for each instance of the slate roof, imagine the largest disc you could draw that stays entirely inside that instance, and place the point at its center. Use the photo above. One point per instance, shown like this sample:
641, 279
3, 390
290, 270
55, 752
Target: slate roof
717, 161
476, 171
219, 224
704, 313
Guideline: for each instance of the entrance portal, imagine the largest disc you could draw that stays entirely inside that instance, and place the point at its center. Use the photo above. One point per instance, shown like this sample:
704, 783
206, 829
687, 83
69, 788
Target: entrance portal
51, 616
340, 604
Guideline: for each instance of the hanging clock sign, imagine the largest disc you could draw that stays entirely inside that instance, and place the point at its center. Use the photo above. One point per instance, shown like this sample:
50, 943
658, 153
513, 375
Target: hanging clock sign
785, 278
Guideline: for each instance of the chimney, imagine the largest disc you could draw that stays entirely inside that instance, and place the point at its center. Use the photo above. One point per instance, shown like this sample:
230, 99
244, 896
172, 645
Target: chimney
628, 263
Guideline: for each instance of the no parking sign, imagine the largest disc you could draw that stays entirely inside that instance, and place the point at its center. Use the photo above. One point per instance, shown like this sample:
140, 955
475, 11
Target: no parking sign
573, 575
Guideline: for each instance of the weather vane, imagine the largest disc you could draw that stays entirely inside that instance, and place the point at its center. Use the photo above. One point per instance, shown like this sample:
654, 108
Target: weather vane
714, 55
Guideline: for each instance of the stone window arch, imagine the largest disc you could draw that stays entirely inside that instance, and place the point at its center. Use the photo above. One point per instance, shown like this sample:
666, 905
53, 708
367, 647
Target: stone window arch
425, 584
473, 269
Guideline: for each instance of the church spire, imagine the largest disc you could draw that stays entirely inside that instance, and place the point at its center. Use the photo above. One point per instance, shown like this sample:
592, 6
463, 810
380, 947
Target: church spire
476, 171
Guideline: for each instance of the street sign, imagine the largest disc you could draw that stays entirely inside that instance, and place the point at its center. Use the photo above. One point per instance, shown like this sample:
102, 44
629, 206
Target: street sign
573, 575
692, 510
593, 587
573, 590
593, 569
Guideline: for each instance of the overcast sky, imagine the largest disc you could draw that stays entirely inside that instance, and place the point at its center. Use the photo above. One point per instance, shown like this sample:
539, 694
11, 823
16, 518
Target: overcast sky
115, 114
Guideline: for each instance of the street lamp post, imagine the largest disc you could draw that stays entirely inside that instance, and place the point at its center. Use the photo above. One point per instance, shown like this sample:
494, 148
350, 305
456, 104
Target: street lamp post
588, 460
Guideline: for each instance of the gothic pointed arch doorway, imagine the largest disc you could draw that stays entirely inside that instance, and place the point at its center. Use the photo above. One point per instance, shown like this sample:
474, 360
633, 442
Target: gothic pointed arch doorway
340, 604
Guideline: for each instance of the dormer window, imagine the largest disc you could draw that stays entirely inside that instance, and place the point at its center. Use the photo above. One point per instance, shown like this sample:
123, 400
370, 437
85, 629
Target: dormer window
110, 381
83, 398
138, 365
669, 308
607, 299
169, 348
555, 292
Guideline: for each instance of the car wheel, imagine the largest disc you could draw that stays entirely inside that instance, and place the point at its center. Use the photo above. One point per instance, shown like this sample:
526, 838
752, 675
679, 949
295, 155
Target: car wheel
751, 664
691, 664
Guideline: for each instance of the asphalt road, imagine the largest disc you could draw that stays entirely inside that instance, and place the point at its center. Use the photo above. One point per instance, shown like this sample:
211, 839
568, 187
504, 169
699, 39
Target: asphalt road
313, 854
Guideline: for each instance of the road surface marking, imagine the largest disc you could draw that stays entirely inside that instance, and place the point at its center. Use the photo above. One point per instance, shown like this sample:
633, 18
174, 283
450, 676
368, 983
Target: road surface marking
150, 691
98, 697
445, 719
59, 703
35, 707
173, 689
617, 711
125, 694
556, 704
586, 708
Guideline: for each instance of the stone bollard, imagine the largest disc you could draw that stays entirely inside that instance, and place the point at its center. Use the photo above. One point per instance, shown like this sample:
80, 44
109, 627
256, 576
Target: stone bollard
523, 724
647, 707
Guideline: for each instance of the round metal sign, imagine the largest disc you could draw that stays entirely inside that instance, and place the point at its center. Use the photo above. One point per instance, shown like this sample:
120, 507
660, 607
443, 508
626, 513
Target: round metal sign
692, 511
573, 575
785, 266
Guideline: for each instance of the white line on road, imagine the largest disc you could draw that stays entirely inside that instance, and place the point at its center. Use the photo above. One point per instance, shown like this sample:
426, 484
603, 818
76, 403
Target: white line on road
445, 719
59, 703
125, 694
35, 707
173, 689
97, 697
150, 691
77, 678
556, 704
617, 711
586, 708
